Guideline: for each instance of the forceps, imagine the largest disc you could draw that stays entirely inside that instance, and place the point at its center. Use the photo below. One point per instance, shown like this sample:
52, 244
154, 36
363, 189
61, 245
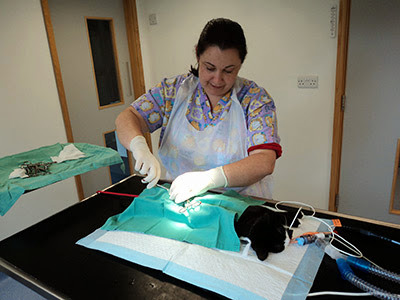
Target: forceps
159, 185
163, 187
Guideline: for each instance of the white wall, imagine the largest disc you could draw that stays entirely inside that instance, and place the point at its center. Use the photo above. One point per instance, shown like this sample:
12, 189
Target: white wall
30, 115
286, 38
371, 119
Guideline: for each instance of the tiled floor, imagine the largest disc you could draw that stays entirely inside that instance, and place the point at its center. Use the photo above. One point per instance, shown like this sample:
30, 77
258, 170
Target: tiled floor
10, 289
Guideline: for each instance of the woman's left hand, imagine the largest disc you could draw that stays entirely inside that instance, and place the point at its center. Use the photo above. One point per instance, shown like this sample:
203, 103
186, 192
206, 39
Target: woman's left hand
191, 184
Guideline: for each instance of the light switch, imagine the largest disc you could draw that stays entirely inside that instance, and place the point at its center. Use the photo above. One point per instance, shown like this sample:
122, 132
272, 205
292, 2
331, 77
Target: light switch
153, 19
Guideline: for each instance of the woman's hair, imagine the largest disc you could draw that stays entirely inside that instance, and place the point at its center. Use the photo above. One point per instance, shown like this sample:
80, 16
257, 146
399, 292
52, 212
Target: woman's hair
223, 33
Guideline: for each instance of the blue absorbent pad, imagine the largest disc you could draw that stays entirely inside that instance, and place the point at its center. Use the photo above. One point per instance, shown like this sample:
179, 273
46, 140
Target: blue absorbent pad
236, 275
211, 224
12, 189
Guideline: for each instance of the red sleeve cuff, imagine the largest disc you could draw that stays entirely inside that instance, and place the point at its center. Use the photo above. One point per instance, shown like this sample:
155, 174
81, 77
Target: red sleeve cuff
271, 146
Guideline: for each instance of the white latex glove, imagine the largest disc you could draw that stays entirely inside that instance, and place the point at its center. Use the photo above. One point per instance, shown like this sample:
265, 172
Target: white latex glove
191, 184
146, 163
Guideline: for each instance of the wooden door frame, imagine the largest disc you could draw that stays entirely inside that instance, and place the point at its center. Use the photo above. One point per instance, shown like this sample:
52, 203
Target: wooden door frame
60, 85
132, 31
340, 90
396, 167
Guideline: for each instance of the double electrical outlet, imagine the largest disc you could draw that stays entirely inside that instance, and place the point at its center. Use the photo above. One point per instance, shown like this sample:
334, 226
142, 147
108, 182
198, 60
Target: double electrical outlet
309, 81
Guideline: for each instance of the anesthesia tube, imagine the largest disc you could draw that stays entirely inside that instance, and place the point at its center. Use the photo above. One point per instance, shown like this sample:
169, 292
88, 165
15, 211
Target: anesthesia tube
366, 266
348, 274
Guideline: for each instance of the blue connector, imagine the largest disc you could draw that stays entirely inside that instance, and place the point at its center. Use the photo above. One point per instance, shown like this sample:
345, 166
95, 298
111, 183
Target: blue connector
359, 263
345, 271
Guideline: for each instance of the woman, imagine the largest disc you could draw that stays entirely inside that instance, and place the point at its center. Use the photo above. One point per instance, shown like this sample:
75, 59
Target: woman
217, 129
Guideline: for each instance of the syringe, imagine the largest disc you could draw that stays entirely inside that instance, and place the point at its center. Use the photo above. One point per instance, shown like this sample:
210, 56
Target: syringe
310, 238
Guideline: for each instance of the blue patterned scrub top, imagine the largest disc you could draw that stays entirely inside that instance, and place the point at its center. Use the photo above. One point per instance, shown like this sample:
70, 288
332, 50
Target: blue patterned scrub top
258, 107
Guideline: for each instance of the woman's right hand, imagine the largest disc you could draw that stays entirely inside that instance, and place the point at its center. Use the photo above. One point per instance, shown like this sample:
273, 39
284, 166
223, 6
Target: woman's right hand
190, 184
146, 162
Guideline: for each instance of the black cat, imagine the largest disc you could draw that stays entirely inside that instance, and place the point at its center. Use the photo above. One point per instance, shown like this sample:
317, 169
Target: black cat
265, 228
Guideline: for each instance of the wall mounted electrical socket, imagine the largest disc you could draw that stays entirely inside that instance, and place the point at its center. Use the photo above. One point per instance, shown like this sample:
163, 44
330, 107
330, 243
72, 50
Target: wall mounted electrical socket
307, 81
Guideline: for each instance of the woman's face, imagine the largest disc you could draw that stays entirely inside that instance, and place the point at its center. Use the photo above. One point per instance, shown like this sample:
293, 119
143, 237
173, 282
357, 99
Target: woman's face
218, 70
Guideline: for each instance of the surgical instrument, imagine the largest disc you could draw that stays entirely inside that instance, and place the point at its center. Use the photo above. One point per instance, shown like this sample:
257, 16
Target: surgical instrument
163, 187
189, 205
36, 169
159, 185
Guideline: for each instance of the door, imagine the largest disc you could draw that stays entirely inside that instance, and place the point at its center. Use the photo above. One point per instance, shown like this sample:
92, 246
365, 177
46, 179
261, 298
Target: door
371, 125
91, 118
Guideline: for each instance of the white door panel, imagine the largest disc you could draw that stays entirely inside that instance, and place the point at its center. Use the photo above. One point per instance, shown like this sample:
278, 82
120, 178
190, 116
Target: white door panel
88, 122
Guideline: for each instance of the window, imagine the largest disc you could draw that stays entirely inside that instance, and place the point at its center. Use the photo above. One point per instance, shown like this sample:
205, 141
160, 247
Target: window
105, 61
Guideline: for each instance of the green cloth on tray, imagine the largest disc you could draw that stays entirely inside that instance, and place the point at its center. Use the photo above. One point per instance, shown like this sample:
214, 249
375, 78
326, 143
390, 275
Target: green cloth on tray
12, 189
211, 224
